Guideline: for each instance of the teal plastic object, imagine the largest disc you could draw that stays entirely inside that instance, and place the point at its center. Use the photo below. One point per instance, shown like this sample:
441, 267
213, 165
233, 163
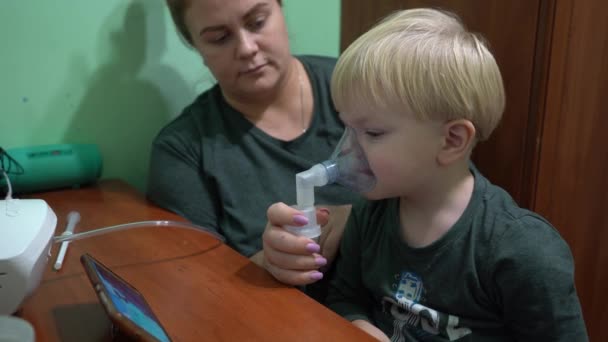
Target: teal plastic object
48, 167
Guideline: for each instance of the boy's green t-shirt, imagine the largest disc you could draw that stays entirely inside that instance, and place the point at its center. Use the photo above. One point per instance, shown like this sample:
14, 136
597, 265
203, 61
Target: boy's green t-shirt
501, 273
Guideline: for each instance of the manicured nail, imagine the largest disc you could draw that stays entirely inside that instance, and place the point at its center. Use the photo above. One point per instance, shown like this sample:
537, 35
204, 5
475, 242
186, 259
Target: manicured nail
320, 261
313, 248
300, 219
316, 275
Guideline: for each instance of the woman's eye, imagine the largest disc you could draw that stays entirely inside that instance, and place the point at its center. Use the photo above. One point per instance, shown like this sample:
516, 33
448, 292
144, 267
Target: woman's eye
219, 39
257, 23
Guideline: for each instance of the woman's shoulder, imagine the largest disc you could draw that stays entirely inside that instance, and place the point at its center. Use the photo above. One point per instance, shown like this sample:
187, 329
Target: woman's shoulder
318, 64
192, 116
318, 59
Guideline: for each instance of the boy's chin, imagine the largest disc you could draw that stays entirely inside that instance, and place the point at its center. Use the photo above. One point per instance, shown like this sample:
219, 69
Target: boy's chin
376, 194
373, 195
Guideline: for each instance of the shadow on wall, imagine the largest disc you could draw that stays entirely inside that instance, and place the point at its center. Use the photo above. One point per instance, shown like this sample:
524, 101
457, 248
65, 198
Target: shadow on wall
120, 110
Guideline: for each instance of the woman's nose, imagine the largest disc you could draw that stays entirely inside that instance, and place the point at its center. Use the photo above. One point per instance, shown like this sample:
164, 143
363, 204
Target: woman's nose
247, 45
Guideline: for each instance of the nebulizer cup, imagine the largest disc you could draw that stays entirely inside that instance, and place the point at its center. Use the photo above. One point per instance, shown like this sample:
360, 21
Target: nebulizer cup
346, 166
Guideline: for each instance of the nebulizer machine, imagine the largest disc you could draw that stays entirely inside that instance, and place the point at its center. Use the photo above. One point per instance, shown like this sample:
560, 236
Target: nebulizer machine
346, 166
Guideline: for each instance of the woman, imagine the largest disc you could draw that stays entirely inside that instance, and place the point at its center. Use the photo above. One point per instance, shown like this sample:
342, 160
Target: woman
237, 147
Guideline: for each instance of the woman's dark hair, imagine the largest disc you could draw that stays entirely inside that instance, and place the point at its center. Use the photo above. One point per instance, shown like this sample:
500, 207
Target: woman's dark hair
178, 10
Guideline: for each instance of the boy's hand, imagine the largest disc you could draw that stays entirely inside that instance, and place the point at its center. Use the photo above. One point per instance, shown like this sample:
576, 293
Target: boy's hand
371, 329
332, 230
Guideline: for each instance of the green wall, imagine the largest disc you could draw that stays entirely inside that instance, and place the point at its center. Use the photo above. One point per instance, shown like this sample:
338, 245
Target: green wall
113, 72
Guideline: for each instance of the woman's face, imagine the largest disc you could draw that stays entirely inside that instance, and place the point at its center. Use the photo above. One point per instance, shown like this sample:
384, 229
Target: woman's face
243, 43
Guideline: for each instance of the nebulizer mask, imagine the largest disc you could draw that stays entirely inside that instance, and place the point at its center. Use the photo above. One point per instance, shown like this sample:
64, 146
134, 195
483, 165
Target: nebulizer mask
346, 166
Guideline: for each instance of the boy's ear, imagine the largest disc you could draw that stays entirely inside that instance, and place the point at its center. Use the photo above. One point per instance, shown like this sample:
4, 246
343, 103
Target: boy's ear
458, 139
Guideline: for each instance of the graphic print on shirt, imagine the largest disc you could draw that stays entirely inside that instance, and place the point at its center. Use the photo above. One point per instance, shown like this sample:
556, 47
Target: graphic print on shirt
411, 319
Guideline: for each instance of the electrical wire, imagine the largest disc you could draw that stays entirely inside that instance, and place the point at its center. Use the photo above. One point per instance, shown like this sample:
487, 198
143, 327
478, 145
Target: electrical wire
9, 192
6, 164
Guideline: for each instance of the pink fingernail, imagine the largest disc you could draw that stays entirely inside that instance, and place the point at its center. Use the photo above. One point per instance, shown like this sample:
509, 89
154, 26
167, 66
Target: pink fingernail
316, 276
313, 248
320, 261
300, 219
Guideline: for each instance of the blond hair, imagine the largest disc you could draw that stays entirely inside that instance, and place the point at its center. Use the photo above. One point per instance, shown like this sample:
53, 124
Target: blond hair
427, 60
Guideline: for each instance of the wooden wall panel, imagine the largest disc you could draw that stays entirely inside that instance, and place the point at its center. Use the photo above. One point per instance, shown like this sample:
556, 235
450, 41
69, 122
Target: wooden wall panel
511, 28
572, 189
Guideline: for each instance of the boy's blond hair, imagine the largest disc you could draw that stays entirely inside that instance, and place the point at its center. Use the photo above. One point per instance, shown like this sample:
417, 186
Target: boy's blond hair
426, 59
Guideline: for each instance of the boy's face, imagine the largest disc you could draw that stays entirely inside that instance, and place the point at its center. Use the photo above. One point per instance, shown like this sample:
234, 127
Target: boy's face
401, 150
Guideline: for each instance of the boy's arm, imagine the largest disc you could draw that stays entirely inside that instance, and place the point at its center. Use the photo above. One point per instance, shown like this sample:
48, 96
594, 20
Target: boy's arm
347, 295
535, 282
333, 230
371, 330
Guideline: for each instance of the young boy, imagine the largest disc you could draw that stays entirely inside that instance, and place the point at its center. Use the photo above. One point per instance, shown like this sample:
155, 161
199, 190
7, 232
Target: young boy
440, 253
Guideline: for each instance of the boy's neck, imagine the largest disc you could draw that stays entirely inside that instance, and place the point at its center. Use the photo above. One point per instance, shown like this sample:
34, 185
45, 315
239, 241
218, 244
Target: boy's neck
426, 217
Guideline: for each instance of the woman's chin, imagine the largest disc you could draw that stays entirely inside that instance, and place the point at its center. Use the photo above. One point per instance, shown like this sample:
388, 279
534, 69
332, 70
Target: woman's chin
258, 87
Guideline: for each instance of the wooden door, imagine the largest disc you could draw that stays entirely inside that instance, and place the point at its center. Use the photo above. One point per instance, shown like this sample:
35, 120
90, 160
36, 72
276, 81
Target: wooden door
572, 189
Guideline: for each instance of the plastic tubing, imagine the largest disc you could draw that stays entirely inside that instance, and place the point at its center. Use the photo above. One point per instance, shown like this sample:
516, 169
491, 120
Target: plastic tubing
140, 224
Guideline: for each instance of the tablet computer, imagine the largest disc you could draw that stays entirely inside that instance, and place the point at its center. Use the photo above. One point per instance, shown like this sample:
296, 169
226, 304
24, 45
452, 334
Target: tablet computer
126, 307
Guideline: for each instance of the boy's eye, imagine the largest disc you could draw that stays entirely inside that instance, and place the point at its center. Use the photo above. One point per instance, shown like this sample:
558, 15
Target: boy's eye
373, 134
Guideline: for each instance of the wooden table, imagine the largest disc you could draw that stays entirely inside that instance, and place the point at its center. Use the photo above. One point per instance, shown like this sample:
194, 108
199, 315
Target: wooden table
200, 289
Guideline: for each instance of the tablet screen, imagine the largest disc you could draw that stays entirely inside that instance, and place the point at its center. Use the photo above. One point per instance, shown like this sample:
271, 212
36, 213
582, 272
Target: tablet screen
130, 304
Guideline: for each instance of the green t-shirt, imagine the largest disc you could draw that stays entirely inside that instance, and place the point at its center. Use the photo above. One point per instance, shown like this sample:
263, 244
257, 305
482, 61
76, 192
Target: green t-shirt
501, 273
213, 167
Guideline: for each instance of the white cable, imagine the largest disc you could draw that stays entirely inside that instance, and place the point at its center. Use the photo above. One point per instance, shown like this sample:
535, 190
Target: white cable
140, 224
9, 192
73, 218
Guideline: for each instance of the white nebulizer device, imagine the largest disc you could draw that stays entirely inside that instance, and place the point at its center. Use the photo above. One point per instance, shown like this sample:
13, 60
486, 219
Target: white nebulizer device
347, 166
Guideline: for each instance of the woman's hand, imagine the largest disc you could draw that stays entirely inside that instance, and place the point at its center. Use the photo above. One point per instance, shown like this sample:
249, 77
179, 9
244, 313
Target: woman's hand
291, 259
296, 260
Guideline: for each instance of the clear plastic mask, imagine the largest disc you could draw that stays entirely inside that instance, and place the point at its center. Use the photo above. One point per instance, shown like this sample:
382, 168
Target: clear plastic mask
348, 165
